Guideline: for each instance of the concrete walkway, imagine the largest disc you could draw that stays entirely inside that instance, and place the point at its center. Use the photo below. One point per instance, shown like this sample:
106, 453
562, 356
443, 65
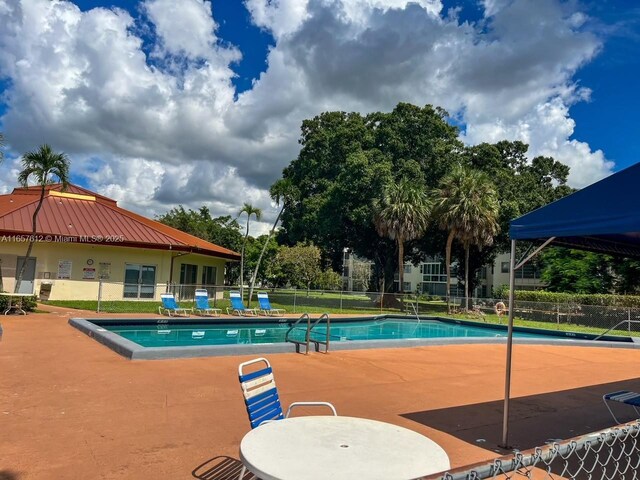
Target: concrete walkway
71, 408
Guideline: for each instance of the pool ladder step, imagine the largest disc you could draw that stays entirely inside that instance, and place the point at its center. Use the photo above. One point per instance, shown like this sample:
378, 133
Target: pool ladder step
307, 337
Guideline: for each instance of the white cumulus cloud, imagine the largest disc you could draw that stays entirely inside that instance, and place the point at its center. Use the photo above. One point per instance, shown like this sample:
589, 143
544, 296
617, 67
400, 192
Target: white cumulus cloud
159, 125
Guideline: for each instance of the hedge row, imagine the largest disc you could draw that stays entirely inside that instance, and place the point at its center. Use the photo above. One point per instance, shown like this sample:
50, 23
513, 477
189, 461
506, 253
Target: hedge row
577, 298
28, 303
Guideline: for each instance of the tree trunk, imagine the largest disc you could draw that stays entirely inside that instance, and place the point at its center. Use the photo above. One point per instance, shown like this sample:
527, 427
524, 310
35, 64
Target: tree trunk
246, 235
264, 248
400, 265
448, 265
466, 277
31, 240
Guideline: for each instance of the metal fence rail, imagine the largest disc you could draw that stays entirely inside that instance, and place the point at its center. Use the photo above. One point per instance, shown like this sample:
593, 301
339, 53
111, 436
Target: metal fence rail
605, 455
114, 297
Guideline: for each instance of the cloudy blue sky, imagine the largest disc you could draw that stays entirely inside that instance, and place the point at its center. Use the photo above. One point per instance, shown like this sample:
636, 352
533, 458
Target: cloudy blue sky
165, 102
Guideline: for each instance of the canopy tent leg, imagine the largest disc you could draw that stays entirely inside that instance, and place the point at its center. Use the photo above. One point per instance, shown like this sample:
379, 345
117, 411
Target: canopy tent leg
512, 287
507, 381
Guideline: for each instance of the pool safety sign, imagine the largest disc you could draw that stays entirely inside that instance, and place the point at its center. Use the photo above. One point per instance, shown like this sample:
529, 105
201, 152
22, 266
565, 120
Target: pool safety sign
64, 269
88, 273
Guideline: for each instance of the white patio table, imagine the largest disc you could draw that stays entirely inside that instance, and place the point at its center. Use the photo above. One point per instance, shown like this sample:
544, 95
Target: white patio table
339, 448
15, 301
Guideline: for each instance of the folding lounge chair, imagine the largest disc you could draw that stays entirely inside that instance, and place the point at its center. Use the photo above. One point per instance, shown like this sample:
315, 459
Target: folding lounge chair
170, 306
623, 396
237, 306
265, 306
202, 305
261, 395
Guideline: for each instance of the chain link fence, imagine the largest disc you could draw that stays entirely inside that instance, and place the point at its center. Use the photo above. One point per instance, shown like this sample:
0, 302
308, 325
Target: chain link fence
595, 319
114, 297
609, 454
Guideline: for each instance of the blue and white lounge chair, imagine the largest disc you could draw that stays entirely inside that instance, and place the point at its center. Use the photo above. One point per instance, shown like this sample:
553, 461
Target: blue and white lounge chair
622, 396
202, 305
266, 308
261, 395
170, 306
237, 306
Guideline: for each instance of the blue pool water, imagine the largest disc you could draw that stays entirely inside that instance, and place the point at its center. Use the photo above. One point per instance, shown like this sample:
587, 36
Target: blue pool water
190, 334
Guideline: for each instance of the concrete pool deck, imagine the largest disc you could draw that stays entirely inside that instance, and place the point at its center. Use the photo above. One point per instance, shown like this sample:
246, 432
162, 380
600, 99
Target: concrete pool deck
71, 408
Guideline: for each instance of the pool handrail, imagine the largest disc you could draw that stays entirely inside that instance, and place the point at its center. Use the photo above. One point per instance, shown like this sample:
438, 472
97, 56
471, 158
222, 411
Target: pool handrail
304, 316
324, 316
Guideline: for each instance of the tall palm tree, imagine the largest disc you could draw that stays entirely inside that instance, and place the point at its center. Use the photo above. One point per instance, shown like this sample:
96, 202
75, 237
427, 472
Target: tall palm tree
249, 210
402, 214
44, 165
466, 204
280, 191
1, 158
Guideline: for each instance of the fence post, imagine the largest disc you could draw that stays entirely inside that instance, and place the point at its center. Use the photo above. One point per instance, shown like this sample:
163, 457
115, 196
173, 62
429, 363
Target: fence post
340, 301
99, 295
294, 299
629, 319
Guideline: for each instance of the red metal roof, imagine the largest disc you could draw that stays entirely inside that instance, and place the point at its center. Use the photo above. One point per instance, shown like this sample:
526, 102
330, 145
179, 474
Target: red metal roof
82, 216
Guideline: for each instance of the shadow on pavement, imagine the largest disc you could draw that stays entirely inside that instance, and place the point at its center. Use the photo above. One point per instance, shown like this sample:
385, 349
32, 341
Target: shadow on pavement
217, 468
534, 420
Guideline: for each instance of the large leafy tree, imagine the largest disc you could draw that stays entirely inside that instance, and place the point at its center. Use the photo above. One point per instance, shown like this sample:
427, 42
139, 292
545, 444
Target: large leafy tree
576, 271
249, 210
402, 214
45, 166
345, 161
466, 206
300, 264
223, 231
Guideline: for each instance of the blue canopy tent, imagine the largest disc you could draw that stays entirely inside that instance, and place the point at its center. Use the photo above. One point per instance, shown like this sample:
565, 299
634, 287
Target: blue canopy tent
603, 217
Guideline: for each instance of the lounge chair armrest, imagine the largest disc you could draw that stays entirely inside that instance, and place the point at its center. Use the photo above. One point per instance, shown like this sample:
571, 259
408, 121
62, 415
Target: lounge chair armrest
311, 404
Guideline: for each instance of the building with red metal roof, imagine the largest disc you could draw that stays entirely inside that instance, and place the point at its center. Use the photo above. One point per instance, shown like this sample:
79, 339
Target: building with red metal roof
84, 238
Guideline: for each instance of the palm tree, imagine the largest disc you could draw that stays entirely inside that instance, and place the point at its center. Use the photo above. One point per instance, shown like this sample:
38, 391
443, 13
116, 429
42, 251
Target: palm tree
402, 214
279, 191
249, 210
1, 158
42, 164
466, 204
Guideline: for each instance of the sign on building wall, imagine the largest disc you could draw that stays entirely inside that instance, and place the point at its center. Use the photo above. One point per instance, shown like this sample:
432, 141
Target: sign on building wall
64, 269
105, 271
88, 273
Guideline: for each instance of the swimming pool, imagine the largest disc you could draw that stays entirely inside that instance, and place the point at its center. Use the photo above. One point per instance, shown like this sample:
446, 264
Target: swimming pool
168, 338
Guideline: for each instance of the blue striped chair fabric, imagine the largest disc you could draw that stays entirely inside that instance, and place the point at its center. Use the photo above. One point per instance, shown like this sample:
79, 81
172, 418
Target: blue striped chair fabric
237, 305
265, 305
623, 396
202, 304
170, 306
261, 395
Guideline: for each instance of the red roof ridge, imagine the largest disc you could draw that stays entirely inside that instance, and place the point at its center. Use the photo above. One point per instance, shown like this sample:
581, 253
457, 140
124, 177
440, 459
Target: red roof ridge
71, 188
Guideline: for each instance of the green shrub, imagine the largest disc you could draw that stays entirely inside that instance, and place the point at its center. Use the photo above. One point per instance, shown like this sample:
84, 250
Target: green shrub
576, 298
28, 303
